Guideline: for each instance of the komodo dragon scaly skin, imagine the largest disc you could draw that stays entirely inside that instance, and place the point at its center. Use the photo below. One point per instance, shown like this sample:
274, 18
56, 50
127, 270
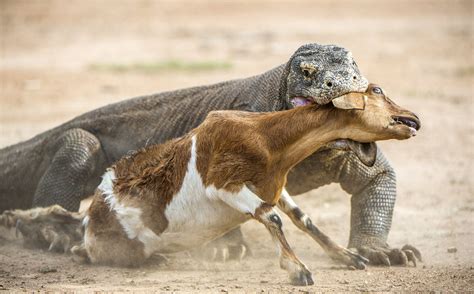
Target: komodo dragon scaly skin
63, 165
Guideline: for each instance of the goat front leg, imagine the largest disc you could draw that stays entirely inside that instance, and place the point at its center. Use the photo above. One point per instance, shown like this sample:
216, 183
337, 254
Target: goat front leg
249, 203
304, 223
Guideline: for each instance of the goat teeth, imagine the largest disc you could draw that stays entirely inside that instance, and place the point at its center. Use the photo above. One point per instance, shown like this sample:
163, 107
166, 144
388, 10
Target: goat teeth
412, 131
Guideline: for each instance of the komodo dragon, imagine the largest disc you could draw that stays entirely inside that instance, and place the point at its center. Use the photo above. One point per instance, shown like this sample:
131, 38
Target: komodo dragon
63, 165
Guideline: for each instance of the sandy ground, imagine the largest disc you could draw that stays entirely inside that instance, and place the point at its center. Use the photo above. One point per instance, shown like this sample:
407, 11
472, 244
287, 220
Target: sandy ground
419, 51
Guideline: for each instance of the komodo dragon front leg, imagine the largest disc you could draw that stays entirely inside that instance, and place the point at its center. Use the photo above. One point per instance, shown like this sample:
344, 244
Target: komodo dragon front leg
373, 191
372, 204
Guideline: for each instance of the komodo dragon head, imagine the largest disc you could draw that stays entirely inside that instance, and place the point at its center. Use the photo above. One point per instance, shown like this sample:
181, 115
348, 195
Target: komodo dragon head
318, 74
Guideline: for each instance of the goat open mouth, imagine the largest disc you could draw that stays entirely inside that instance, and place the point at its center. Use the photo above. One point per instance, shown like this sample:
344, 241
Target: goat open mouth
302, 101
412, 123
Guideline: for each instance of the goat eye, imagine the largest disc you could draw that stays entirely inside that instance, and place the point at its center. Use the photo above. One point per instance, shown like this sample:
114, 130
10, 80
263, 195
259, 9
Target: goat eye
306, 73
377, 90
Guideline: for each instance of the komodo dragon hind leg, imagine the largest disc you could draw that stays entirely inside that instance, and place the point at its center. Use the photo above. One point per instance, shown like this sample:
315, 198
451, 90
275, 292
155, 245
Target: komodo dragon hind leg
52, 227
73, 172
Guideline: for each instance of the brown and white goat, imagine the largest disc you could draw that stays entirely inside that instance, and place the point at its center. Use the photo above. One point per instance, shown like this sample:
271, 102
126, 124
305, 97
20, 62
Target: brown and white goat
233, 167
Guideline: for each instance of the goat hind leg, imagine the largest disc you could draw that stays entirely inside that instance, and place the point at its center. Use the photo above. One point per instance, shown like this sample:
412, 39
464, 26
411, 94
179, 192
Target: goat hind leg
304, 223
248, 202
299, 273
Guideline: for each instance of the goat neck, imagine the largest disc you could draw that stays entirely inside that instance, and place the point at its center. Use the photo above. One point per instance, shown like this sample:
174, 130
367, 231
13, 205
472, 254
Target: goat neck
293, 135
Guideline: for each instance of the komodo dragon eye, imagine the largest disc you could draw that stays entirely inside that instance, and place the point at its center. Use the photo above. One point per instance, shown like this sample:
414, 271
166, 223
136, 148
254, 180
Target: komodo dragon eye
306, 73
377, 90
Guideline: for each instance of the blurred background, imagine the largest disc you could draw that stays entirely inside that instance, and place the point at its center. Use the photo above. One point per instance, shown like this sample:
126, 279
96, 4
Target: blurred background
62, 58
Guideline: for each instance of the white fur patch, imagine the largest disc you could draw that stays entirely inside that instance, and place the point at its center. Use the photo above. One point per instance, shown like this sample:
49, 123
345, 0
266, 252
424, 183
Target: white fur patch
244, 201
197, 215
85, 221
107, 184
129, 217
287, 200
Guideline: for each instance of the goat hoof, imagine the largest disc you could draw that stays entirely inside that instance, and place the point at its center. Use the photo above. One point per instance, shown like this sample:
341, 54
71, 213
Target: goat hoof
357, 260
302, 278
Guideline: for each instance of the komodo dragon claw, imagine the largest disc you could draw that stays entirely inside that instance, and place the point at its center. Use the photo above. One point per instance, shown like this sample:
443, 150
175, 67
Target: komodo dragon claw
386, 256
53, 228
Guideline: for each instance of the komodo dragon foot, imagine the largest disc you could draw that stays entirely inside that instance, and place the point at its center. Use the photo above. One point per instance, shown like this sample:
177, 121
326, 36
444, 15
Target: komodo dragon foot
387, 256
51, 227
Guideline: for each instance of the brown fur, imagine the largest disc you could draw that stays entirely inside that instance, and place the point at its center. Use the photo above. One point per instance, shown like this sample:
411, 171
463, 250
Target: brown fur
237, 148
234, 149
152, 176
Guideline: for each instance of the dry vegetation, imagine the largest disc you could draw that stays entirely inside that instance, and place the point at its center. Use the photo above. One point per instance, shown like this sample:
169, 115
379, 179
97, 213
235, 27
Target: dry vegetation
61, 59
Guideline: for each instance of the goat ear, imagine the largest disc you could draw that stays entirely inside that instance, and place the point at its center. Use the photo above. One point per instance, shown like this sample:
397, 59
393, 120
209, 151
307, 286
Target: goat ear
350, 101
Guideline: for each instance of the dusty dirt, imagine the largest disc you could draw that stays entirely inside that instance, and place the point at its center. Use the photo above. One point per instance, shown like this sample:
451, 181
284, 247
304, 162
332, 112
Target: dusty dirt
420, 52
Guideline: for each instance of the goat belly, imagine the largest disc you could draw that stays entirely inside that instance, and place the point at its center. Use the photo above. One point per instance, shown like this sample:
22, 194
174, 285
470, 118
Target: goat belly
195, 220
195, 215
